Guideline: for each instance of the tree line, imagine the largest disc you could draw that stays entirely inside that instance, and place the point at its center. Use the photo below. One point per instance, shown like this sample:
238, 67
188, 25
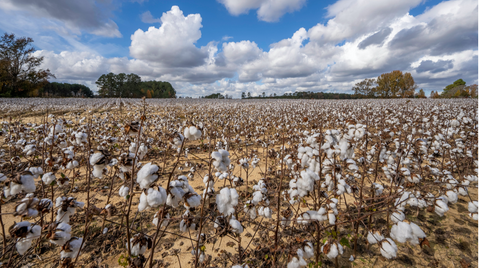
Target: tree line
132, 86
20, 76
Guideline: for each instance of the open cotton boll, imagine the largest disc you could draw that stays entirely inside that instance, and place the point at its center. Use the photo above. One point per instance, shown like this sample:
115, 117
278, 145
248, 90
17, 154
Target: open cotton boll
71, 248
192, 133
417, 234
222, 161
297, 263
236, 225
331, 217
23, 245
265, 212
374, 237
48, 178
136, 249
397, 216
2, 177
473, 207
165, 220
143, 203
441, 207
227, 200
123, 192
156, 198
401, 232
308, 251
192, 200
452, 197
334, 250
146, 175
388, 248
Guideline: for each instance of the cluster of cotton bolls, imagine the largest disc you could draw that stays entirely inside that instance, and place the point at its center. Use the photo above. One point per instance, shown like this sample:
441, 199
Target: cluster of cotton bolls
226, 201
221, 160
192, 133
260, 200
301, 186
23, 183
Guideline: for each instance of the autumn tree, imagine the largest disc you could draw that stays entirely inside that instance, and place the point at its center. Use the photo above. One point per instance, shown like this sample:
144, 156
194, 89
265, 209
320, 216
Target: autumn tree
421, 94
395, 85
365, 88
19, 73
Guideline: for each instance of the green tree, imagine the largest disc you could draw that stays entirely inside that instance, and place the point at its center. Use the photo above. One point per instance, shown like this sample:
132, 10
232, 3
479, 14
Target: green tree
243, 95
395, 85
249, 95
120, 85
18, 67
421, 94
455, 84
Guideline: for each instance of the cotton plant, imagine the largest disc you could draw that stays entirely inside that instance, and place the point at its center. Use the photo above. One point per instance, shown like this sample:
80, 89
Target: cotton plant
23, 183
27, 207
59, 233
332, 249
152, 198
473, 209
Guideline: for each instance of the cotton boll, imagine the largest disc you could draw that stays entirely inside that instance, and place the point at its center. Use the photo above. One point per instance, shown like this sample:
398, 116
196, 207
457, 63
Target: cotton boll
417, 234
147, 175
375, 237
388, 248
48, 178
334, 250
236, 226
23, 245
440, 207
401, 232
156, 198
124, 191
473, 207
143, 203
222, 160
73, 246
297, 263
397, 216
331, 217
452, 197
192, 200
227, 200
308, 251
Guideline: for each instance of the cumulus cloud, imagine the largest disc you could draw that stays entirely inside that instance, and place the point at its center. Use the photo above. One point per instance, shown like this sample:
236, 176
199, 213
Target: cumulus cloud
173, 43
76, 15
147, 17
267, 10
360, 40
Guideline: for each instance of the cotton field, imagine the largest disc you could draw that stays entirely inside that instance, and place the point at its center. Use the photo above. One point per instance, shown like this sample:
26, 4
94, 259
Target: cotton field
238, 183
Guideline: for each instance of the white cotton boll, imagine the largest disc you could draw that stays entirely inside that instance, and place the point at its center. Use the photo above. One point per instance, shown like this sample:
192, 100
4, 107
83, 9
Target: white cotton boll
417, 233
194, 200
23, 245
452, 197
156, 198
335, 250
331, 218
2, 177
75, 244
146, 175
257, 197
397, 216
236, 226
440, 207
222, 161
297, 263
308, 251
48, 178
227, 200
72, 164
375, 237
136, 249
143, 203
473, 207
95, 158
401, 232
124, 191
164, 221
388, 248
98, 171
63, 216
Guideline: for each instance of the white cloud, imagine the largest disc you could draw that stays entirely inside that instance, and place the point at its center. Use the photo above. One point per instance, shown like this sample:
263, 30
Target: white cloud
147, 17
173, 43
267, 10
437, 47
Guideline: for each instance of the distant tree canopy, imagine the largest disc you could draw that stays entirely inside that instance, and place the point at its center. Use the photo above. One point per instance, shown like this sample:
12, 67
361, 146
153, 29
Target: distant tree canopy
19, 76
395, 84
55, 89
131, 86
459, 89
217, 96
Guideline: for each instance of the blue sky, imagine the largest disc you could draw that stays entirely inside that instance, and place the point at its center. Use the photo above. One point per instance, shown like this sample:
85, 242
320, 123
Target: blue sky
231, 46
